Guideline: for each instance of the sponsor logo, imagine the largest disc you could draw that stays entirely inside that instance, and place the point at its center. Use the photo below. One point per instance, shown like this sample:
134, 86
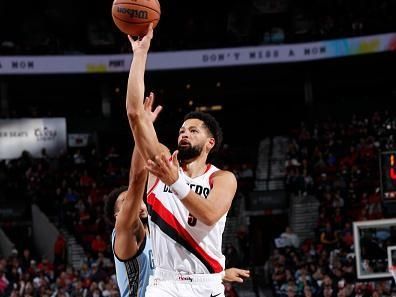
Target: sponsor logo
185, 278
96, 67
133, 13
44, 134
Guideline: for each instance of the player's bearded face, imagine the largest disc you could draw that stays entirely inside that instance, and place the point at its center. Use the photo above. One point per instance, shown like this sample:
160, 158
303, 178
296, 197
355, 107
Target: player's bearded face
188, 152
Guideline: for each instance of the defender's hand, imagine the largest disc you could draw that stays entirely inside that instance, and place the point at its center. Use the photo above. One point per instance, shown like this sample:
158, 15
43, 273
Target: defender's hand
148, 107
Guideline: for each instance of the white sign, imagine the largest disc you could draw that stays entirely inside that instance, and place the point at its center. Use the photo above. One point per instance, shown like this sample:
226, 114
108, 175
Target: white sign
239, 56
32, 135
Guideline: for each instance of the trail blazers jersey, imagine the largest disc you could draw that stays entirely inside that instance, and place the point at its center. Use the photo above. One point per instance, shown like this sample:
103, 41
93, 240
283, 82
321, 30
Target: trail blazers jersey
180, 241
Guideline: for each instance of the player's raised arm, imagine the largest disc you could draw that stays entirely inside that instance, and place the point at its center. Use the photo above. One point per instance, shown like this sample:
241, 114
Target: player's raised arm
129, 229
141, 125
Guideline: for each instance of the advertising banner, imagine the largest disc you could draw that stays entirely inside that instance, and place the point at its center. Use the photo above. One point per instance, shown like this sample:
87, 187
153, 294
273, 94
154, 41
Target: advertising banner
32, 135
240, 56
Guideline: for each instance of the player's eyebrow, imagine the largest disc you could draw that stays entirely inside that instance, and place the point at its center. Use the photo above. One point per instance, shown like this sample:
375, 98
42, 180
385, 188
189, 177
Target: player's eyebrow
190, 127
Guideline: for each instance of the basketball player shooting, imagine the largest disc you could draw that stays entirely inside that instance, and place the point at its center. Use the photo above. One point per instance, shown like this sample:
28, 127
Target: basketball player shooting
188, 203
131, 242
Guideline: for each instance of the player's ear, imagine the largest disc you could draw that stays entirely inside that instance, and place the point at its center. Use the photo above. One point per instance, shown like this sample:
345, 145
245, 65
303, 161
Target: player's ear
211, 142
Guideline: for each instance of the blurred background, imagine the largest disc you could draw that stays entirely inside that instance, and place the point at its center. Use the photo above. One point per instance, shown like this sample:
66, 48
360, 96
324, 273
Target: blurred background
310, 139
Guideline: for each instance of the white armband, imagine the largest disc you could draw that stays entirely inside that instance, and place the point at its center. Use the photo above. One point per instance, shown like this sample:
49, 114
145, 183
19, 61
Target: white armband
180, 188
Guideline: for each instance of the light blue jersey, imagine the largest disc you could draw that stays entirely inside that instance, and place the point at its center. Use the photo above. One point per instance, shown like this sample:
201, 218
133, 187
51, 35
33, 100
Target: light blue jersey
133, 274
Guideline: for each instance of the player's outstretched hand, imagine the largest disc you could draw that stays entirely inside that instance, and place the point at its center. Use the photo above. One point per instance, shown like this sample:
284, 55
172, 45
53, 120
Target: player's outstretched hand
236, 275
143, 44
166, 170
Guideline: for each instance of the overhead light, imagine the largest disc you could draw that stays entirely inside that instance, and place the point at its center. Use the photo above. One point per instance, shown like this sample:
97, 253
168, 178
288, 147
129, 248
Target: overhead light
201, 108
216, 107
209, 108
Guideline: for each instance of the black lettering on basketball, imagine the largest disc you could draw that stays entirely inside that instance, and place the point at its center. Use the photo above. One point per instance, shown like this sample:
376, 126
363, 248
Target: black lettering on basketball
133, 13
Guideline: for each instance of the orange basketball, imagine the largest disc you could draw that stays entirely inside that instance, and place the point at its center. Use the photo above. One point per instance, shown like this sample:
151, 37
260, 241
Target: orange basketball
134, 16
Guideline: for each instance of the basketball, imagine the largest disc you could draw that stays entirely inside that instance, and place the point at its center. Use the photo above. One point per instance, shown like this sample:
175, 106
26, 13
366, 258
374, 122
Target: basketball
133, 17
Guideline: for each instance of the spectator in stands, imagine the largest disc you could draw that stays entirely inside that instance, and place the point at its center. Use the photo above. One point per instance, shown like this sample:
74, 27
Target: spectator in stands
86, 180
25, 259
60, 250
245, 171
104, 261
3, 281
345, 158
231, 256
329, 237
347, 235
338, 219
78, 158
303, 280
79, 289
98, 245
327, 287
289, 289
278, 276
307, 291
71, 196
290, 237
375, 205
230, 290
45, 265
98, 274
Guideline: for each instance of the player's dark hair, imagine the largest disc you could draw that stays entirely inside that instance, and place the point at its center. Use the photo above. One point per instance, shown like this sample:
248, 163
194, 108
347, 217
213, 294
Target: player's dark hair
211, 124
111, 200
